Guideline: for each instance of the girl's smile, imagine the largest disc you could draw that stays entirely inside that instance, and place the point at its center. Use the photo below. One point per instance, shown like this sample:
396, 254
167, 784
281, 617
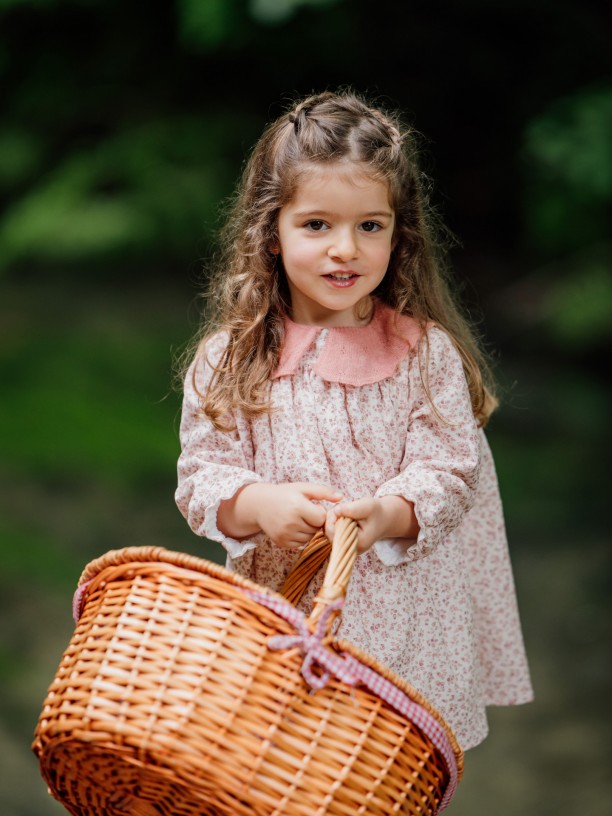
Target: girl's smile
341, 279
335, 240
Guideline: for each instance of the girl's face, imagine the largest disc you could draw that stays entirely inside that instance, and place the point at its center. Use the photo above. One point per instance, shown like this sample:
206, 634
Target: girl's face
335, 240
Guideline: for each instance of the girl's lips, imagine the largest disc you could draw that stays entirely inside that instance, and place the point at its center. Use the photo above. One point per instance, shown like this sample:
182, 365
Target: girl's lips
341, 279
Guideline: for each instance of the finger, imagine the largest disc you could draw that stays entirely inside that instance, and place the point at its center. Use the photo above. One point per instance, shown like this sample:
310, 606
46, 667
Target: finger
320, 492
355, 510
314, 515
293, 541
330, 525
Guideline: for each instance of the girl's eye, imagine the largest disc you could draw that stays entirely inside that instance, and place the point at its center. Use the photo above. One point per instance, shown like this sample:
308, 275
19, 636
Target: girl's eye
370, 226
315, 226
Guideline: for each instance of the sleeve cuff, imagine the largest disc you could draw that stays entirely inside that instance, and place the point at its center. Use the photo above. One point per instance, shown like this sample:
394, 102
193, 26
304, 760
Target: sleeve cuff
235, 548
395, 551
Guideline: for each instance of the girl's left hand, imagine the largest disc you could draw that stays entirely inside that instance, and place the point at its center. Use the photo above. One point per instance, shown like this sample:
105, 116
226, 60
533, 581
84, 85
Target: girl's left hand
384, 517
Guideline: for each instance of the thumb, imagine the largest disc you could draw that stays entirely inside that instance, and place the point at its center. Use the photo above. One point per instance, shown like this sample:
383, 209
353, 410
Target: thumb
330, 523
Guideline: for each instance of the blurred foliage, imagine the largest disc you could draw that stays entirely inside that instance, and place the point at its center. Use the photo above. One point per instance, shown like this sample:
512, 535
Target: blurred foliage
579, 305
567, 167
206, 24
72, 407
144, 192
87, 387
120, 136
209, 23
568, 170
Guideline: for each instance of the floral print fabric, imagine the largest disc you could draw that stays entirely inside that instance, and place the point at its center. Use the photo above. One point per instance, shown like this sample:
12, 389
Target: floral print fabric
439, 610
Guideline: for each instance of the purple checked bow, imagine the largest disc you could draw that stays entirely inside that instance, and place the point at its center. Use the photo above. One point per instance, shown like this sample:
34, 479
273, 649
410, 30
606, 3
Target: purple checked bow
311, 643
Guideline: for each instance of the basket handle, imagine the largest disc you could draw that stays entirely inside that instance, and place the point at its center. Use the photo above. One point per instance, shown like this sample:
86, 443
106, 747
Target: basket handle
307, 565
309, 562
338, 573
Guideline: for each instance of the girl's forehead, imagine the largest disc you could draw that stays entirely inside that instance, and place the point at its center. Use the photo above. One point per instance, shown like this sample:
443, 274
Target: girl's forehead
357, 173
324, 179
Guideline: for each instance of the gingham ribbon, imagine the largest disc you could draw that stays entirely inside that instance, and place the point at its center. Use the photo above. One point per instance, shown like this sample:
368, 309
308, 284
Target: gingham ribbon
351, 671
77, 600
311, 645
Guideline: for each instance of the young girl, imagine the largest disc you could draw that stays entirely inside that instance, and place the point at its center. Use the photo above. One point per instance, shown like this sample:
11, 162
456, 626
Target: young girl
338, 377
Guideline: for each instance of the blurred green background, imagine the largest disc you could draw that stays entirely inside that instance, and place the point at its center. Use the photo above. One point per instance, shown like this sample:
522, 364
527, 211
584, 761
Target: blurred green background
124, 126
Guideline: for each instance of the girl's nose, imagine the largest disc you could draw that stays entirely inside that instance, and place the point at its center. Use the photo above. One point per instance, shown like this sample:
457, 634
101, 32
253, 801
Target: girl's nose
343, 245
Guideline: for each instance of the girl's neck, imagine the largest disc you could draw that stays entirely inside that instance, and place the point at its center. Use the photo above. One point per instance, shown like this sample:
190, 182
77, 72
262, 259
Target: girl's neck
361, 315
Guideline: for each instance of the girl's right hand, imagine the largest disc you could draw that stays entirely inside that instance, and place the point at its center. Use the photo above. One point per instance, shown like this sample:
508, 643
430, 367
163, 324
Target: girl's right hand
287, 513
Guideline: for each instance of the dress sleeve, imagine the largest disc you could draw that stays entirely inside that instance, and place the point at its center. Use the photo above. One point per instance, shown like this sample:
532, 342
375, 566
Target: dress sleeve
213, 465
439, 473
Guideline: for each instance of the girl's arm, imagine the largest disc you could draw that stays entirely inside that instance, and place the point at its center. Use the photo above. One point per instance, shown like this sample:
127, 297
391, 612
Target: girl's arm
413, 512
213, 465
219, 492
440, 470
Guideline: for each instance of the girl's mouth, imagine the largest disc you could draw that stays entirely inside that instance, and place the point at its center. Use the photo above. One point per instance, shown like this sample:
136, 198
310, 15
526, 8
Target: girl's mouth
341, 278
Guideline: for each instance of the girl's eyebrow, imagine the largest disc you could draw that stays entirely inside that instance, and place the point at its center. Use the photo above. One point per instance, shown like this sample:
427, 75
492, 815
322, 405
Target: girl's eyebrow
327, 214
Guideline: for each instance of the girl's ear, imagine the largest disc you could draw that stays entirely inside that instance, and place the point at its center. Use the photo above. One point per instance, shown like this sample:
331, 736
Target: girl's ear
274, 248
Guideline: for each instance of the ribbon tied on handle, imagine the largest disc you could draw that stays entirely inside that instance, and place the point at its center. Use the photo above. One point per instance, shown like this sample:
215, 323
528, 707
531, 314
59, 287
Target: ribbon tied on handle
310, 643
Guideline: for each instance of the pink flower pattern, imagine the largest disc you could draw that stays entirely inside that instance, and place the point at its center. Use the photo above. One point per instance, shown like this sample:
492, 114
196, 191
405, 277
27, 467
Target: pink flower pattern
440, 610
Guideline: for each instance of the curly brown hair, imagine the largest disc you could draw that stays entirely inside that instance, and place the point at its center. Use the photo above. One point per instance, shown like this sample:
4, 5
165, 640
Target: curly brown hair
247, 294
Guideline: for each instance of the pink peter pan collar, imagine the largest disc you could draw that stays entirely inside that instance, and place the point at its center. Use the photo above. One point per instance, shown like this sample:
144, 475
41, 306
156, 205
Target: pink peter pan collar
353, 355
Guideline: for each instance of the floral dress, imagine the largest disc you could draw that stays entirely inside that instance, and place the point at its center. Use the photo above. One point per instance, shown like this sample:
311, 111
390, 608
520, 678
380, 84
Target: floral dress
354, 409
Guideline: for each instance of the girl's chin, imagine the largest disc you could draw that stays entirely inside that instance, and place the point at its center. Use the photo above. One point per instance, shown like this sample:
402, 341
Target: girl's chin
334, 312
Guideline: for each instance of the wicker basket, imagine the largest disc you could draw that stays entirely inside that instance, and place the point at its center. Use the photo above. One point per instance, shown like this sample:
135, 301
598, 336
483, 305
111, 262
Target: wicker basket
187, 690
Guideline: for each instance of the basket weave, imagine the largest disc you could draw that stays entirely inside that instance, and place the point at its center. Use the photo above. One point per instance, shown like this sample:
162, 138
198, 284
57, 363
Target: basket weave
185, 691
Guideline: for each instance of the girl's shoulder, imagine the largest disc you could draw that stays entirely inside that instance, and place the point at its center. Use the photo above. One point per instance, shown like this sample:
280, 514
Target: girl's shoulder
437, 335
206, 357
436, 346
414, 333
425, 342
212, 347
